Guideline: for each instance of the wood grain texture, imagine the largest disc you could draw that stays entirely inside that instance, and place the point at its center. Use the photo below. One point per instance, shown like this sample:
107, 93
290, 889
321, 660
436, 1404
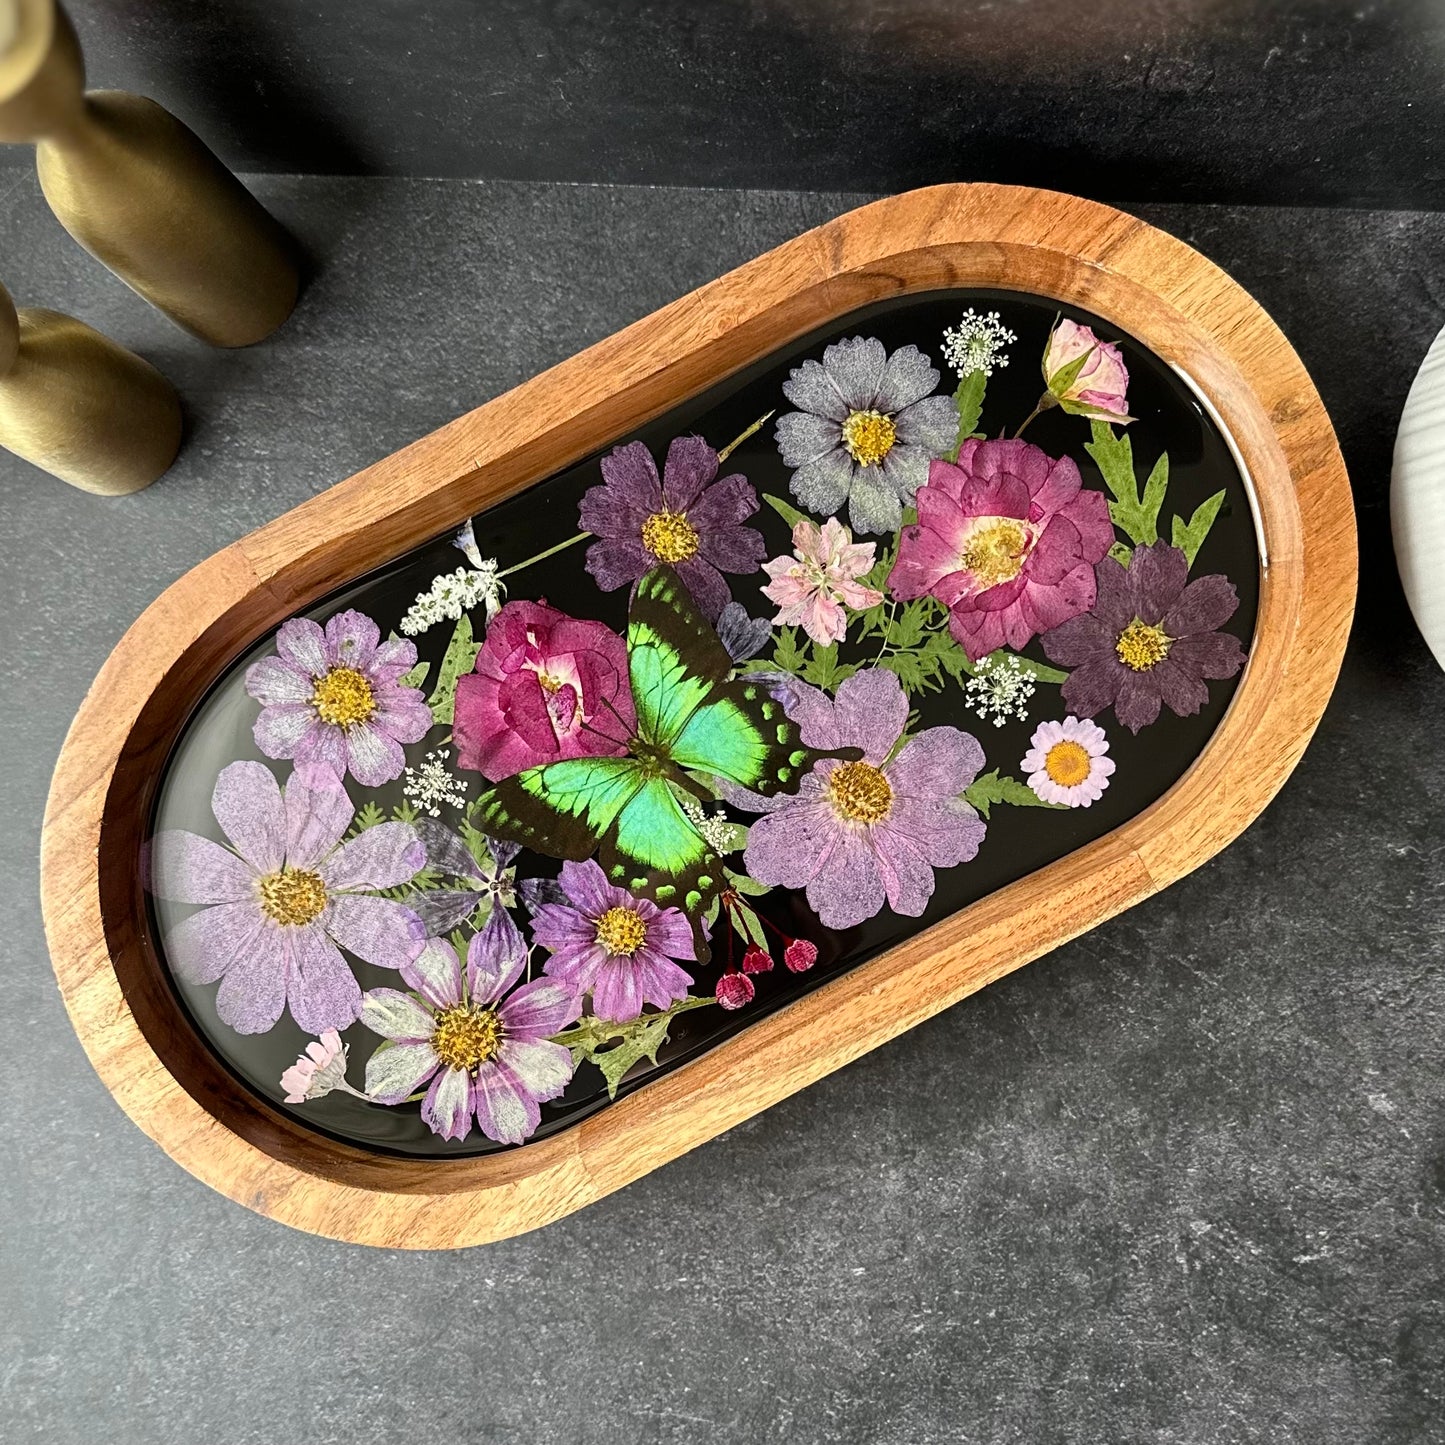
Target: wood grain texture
1150, 285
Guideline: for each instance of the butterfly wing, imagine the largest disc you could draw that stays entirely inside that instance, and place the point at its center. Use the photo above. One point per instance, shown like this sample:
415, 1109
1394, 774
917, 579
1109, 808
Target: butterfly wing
560, 809
690, 710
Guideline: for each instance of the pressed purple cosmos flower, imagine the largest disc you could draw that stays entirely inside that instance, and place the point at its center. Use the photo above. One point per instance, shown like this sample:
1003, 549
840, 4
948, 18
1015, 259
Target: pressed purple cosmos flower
483, 1045
331, 696
687, 521
1150, 639
867, 426
857, 833
618, 948
279, 904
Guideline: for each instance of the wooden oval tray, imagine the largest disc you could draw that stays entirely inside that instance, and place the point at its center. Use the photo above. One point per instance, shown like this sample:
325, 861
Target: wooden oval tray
1212, 381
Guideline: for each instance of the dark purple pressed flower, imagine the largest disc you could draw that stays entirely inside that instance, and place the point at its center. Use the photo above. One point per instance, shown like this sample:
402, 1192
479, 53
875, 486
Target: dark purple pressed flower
686, 521
1150, 639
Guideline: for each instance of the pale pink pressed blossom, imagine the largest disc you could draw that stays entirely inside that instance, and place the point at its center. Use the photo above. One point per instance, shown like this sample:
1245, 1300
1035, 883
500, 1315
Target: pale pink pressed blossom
812, 587
1066, 762
319, 1071
1086, 376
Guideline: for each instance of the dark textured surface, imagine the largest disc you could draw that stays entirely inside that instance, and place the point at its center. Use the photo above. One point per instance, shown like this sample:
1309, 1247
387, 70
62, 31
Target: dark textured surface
1182, 1181
1274, 101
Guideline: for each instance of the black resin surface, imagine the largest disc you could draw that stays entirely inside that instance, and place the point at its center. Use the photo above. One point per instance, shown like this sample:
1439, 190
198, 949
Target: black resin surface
1019, 840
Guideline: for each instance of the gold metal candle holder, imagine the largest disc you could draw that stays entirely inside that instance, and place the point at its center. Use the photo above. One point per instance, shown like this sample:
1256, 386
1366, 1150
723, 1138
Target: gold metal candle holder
81, 407
139, 190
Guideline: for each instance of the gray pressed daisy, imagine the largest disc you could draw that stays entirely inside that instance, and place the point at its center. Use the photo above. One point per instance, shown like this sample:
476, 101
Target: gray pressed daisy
867, 426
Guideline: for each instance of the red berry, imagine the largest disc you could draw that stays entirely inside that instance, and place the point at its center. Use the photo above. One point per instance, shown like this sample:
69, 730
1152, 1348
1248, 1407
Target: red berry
757, 960
799, 955
734, 990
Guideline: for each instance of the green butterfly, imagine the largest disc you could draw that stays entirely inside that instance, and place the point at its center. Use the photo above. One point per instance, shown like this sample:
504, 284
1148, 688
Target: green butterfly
690, 718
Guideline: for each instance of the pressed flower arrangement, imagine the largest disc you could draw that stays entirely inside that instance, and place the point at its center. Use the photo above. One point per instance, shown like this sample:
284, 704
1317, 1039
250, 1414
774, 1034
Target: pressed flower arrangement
891, 619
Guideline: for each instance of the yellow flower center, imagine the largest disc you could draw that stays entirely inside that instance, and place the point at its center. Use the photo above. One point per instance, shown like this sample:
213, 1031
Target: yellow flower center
996, 552
1067, 763
669, 536
292, 896
1141, 646
466, 1036
860, 793
343, 698
869, 436
621, 931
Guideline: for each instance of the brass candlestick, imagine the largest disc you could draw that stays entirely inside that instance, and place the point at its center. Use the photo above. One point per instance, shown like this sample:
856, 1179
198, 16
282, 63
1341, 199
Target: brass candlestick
139, 190
80, 406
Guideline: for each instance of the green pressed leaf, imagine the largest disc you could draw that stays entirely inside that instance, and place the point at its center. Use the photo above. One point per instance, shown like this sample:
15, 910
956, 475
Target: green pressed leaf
1189, 536
1039, 671
1135, 515
615, 1048
368, 815
992, 787
748, 887
824, 670
969, 401
461, 654
1121, 554
416, 676
789, 513
789, 654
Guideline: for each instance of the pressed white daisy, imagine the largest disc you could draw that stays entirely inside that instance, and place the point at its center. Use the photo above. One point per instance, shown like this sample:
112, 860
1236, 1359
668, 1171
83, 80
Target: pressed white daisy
1000, 689
432, 785
977, 343
1067, 764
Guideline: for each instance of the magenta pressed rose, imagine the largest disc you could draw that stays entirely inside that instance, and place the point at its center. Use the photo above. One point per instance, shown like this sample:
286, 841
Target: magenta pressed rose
1086, 376
545, 687
1007, 540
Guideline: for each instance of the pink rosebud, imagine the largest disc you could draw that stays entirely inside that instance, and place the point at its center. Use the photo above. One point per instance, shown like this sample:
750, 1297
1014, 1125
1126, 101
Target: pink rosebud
734, 990
800, 955
1086, 376
757, 960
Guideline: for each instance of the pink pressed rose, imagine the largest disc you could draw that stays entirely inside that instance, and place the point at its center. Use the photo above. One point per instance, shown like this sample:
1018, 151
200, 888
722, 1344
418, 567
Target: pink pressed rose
813, 586
1007, 541
1099, 387
546, 687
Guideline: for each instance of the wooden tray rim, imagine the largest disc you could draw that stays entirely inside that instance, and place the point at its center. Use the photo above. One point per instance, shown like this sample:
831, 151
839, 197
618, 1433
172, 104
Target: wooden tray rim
1146, 282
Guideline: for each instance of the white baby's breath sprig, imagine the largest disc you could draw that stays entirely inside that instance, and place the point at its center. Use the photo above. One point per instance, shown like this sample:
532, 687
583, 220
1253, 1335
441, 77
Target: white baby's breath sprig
717, 831
432, 785
1001, 689
453, 593
977, 343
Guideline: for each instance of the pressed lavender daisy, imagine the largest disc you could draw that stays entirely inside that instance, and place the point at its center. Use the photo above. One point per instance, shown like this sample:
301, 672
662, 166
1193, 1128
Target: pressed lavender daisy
279, 904
482, 1045
689, 520
858, 833
620, 949
1066, 762
332, 696
867, 427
